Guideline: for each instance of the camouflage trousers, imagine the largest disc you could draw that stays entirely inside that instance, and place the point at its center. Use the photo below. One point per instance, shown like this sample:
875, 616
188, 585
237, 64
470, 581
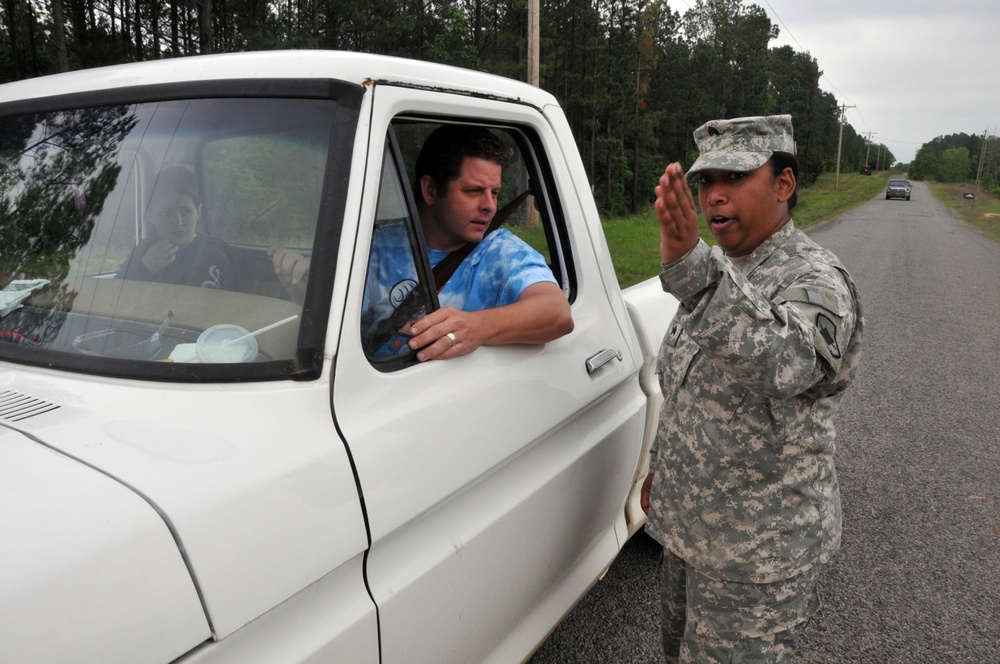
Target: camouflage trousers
706, 621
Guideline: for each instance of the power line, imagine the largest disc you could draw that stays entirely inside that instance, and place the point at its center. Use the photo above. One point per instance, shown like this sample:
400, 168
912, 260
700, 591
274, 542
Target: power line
854, 108
801, 47
849, 105
860, 117
892, 140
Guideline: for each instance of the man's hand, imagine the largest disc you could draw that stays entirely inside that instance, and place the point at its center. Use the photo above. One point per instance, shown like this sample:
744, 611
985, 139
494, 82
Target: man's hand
430, 334
291, 268
540, 315
677, 214
160, 255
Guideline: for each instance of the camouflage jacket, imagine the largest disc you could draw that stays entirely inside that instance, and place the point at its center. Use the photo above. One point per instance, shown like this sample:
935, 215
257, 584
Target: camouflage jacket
752, 371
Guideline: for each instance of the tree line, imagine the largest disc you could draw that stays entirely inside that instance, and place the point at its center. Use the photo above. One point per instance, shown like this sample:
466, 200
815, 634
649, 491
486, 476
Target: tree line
634, 77
959, 158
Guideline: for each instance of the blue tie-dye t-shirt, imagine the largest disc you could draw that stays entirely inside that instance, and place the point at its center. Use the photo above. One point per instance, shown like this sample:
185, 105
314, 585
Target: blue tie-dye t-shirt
495, 274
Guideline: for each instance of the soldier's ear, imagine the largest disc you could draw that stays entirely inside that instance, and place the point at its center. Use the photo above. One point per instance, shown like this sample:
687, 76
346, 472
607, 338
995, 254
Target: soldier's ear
784, 185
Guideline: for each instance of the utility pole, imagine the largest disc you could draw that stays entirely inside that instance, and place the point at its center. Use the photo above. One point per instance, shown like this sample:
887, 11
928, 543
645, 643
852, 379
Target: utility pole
840, 143
982, 157
533, 32
534, 20
979, 171
868, 147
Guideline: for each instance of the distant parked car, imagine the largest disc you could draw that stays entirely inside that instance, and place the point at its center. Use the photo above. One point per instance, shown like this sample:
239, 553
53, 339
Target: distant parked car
898, 189
866, 170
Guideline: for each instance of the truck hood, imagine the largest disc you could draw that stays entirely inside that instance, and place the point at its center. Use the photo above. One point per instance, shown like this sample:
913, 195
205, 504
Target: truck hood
250, 483
91, 573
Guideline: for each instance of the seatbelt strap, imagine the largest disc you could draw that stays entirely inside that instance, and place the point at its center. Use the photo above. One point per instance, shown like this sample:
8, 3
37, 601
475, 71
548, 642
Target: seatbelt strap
447, 265
412, 303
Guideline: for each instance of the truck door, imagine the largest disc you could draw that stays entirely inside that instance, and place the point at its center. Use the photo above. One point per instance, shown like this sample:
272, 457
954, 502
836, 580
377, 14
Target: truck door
494, 483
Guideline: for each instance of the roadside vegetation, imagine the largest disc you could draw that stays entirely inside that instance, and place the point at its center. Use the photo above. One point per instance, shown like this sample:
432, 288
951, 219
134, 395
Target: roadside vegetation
950, 164
634, 240
982, 212
959, 159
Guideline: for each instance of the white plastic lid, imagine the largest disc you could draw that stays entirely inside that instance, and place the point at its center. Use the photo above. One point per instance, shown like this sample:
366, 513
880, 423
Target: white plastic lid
212, 345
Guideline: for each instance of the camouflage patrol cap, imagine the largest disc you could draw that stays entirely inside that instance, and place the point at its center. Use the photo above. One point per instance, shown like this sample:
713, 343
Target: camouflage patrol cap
741, 144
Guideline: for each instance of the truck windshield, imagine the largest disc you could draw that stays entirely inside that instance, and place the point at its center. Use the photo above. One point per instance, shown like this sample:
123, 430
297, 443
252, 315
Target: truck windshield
136, 238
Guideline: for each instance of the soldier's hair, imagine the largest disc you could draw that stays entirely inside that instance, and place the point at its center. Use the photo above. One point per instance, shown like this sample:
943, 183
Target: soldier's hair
779, 162
444, 150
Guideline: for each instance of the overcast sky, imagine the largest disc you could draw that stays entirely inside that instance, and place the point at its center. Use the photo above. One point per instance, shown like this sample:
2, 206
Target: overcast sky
914, 70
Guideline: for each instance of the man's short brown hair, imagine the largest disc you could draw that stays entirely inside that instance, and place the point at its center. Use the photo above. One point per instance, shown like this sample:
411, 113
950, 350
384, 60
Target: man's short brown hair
447, 147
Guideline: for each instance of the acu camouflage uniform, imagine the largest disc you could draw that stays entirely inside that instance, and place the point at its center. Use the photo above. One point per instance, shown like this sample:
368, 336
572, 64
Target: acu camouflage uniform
752, 371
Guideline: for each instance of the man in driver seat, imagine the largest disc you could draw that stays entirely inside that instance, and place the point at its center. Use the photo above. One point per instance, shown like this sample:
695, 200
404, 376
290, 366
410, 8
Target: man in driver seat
503, 292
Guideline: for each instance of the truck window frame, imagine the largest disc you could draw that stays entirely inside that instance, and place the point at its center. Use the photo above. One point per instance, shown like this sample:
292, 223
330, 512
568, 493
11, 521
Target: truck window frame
529, 156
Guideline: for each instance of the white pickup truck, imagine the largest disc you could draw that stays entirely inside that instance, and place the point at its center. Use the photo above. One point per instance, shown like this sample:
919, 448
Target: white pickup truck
194, 474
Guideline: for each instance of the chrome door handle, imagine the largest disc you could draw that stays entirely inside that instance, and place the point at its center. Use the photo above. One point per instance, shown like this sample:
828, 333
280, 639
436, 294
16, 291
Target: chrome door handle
595, 362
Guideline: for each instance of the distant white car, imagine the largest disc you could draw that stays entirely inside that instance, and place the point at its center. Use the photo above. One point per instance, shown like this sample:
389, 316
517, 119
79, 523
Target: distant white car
215, 469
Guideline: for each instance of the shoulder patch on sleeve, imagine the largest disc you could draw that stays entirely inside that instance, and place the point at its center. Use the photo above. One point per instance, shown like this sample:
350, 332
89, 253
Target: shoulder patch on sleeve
828, 330
827, 315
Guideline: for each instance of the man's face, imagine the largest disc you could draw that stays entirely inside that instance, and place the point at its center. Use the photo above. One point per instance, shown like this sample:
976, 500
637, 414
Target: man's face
744, 209
460, 212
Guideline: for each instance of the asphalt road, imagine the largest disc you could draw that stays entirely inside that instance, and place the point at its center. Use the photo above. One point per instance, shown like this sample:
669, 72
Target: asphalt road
918, 577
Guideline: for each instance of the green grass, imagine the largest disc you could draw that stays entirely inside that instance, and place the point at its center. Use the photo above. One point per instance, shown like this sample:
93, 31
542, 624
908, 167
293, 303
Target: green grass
982, 212
822, 200
635, 240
